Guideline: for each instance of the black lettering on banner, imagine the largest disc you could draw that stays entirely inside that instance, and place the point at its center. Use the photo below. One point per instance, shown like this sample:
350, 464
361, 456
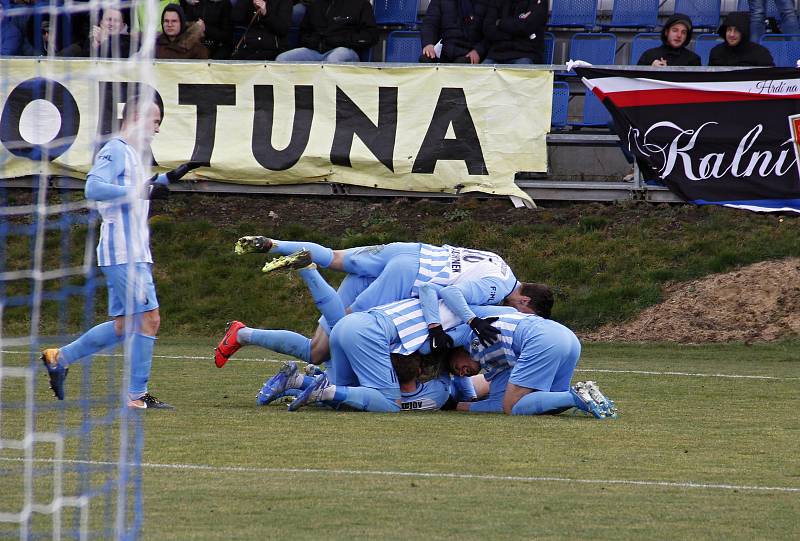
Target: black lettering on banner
351, 121
263, 117
23, 94
451, 108
206, 97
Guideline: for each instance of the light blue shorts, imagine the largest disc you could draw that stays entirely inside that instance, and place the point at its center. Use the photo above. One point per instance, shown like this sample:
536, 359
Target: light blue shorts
143, 297
547, 358
361, 356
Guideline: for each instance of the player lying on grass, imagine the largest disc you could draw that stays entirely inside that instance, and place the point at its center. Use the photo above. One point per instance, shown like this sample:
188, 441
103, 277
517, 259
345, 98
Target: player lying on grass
395, 271
117, 182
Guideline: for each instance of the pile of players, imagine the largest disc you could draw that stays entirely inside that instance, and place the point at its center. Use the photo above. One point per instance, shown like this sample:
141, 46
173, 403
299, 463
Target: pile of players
485, 341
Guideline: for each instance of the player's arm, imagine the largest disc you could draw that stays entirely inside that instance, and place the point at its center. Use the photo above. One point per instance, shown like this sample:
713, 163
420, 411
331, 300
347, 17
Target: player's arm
108, 166
429, 302
454, 298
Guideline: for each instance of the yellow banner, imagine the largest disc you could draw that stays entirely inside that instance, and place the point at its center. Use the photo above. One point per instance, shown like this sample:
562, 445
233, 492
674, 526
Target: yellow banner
419, 128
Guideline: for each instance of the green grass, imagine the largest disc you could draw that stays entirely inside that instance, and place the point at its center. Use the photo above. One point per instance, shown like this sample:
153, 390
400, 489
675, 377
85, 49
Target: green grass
325, 475
605, 262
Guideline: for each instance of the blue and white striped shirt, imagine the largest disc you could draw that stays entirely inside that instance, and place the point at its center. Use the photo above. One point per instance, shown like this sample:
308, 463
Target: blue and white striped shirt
124, 233
412, 329
448, 265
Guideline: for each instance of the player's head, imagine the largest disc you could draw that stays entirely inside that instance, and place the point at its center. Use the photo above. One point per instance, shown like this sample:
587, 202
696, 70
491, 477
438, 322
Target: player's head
173, 21
141, 117
407, 367
531, 298
461, 364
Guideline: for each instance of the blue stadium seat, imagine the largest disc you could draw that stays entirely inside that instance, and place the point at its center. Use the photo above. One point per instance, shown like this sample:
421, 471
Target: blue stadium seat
772, 9
558, 119
642, 42
573, 14
634, 14
703, 45
549, 47
403, 46
598, 48
396, 12
785, 48
703, 13
595, 114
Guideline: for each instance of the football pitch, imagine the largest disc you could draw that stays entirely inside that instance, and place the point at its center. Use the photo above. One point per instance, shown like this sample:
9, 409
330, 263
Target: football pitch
705, 447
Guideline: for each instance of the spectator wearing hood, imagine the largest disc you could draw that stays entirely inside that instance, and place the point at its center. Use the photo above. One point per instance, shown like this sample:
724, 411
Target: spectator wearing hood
266, 24
738, 50
177, 41
214, 18
675, 38
458, 24
334, 31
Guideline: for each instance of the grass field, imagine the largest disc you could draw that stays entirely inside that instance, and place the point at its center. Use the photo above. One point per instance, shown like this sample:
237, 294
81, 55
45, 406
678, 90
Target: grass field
705, 448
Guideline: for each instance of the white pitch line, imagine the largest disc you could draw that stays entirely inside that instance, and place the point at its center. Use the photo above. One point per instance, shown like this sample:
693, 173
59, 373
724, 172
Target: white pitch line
598, 370
431, 475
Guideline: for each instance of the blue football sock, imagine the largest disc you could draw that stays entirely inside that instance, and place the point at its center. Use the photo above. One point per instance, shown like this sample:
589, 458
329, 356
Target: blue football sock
320, 255
364, 399
325, 297
286, 342
95, 339
141, 361
541, 403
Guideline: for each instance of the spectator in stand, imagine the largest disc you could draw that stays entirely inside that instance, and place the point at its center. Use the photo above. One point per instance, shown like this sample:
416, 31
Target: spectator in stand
514, 31
738, 50
299, 11
214, 18
109, 39
334, 31
458, 26
675, 36
266, 25
787, 11
179, 40
12, 35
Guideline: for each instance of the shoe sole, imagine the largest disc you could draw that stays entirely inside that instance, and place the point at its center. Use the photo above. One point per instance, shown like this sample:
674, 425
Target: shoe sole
220, 358
297, 260
55, 378
243, 249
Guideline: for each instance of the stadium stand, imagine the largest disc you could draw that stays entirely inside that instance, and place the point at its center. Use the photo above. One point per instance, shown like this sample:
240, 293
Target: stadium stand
703, 13
403, 46
772, 8
594, 115
549, 47
703, 45
593, 47
396, 12
634, 14
573, 14
785, 48
558, 118
642, 42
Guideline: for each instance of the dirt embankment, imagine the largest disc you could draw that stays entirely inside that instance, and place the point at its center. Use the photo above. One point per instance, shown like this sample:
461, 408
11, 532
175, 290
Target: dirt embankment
760, 302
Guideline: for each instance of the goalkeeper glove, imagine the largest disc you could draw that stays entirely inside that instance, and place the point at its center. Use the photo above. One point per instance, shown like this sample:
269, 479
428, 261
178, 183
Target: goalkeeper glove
440, 340
179, 172
157, 191
483, 328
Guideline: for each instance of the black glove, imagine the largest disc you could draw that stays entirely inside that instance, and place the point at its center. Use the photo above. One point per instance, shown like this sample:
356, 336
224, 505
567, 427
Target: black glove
483, 328
440, 340
178, 173
158, 191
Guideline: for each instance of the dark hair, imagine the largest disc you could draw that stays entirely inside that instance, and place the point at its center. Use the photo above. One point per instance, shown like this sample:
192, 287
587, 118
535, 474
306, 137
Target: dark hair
541, 298
132, 105
407, 367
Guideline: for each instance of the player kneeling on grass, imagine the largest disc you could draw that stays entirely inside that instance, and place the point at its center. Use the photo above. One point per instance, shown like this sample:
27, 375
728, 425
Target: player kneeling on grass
117, 182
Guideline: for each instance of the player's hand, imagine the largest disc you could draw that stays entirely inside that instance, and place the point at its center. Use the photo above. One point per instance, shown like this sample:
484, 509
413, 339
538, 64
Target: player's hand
487, 334
252, 245
178, 173
158, 191
440, 340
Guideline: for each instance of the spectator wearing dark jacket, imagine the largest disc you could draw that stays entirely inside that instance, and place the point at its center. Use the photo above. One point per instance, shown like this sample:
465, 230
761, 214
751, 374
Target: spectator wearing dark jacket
458, 24
109, 39
738, 50
178, 40
214, 18
266, 24
675, 36
12, 35
514, 31
334, 31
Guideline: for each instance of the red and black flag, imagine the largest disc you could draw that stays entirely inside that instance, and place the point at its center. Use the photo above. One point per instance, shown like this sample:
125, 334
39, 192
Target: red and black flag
713, 137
